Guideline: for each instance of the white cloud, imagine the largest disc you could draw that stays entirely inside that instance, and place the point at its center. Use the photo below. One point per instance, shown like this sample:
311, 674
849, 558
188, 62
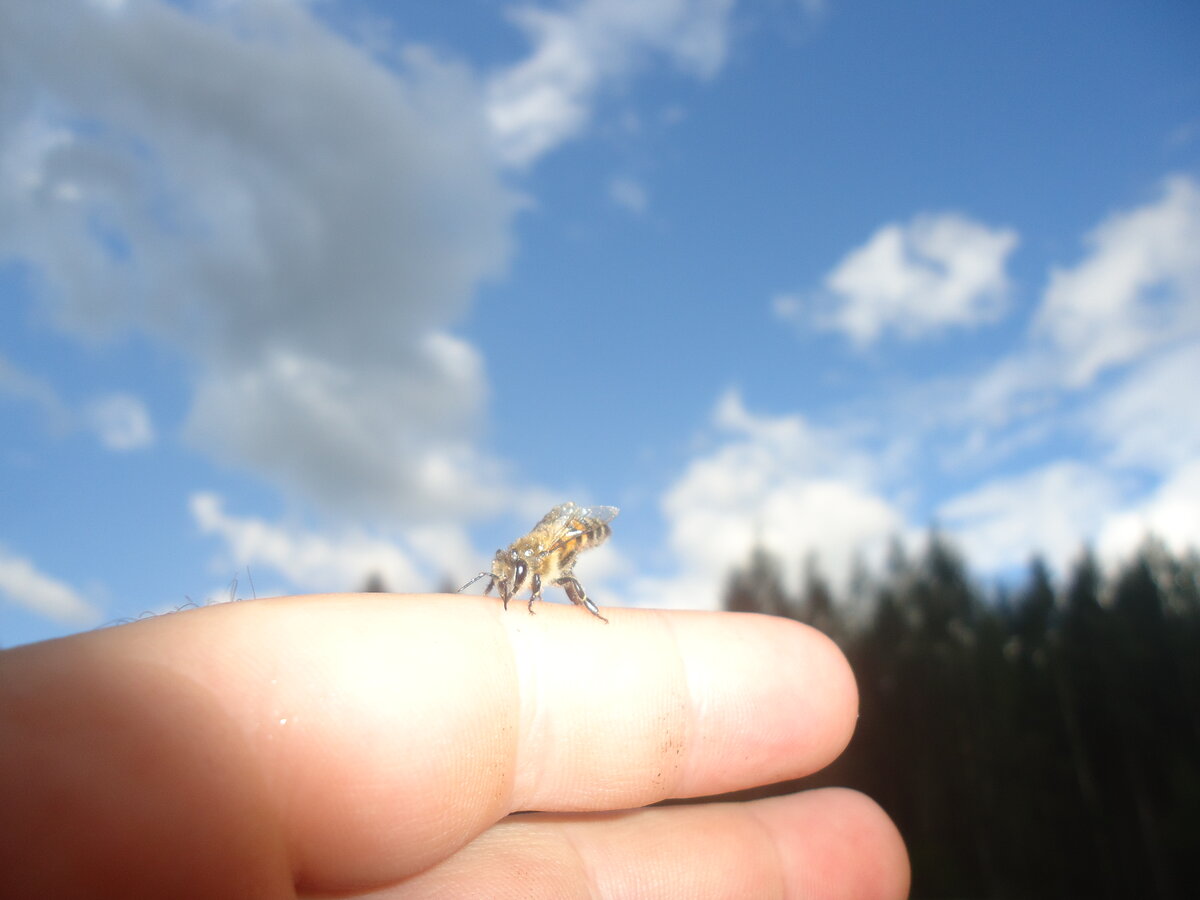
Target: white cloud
937, 271
628, 194
1138, 288
1142, 420
240, 183
1133, 302
790, 486
309, 561
547, 98
121, 421
1053, 510
776, 482
1171, 513
22, 584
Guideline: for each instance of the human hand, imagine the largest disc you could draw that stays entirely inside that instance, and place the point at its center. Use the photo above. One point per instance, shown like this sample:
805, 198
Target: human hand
378, 745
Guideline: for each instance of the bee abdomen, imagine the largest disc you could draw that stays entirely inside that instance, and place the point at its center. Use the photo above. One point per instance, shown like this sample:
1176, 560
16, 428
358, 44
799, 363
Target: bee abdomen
587, 539
597, 536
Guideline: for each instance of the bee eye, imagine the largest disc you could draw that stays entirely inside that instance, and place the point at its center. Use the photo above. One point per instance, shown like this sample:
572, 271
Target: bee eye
519, 579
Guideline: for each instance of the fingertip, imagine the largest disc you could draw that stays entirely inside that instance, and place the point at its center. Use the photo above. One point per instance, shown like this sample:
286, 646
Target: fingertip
830, 844
835, 687
778, 699
837, 842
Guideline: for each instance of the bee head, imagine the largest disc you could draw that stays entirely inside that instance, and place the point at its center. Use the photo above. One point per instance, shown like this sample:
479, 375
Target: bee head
511, 571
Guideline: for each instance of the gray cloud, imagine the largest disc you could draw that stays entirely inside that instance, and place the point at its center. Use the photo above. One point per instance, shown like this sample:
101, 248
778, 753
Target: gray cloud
301, 221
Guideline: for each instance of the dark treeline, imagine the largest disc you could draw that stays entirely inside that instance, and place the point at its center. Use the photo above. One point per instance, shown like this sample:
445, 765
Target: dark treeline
1030, 741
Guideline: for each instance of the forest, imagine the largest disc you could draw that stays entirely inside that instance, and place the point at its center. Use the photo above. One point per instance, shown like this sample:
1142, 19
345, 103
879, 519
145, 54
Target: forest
1029, 739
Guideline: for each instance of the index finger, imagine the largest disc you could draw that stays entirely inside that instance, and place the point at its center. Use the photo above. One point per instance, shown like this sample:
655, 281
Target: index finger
382, 733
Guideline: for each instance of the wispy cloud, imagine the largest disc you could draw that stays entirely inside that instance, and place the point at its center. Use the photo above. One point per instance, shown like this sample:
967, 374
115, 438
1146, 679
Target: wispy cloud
23, 584
1138, 422
540, 102
1051, 510
22, 386
1130, 308
121, 421
1137, 289
628, 194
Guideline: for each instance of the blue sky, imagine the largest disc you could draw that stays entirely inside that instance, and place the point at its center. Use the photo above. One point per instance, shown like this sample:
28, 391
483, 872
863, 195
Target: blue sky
331, 288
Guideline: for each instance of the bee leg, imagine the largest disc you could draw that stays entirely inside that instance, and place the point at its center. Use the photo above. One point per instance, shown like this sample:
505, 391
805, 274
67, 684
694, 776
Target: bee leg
575, 592
536, 592
488, 575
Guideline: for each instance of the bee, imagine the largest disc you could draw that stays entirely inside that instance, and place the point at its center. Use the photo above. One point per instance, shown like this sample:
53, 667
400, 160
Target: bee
547, 555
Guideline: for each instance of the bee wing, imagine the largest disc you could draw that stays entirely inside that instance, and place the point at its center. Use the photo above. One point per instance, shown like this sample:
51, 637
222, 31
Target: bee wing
558, 516
599, 515
567, 520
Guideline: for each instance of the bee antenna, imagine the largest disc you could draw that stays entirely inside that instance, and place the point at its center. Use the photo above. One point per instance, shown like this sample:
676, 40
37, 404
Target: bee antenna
472, 581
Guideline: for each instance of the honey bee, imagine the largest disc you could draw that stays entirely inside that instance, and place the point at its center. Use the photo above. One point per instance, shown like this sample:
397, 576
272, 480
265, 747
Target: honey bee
547, 555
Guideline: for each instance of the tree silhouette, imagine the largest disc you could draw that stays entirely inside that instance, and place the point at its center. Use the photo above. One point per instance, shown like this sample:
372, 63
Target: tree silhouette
758, 586
1028, 742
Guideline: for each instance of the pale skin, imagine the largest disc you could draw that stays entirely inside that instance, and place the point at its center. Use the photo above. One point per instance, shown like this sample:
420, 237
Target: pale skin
378, 745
